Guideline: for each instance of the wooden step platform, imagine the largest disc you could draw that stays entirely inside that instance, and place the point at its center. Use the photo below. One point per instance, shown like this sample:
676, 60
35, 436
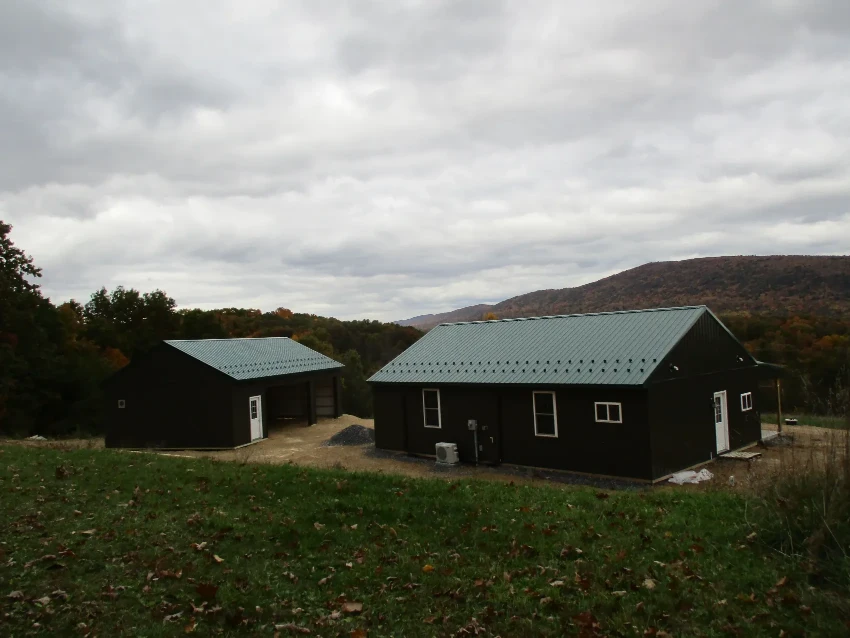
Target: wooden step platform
741, 455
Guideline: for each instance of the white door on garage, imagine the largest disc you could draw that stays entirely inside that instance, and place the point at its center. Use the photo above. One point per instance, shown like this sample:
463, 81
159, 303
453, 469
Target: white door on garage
721, 422
256, 407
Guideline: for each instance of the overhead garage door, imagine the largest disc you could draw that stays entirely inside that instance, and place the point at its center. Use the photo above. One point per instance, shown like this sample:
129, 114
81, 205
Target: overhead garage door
325, 398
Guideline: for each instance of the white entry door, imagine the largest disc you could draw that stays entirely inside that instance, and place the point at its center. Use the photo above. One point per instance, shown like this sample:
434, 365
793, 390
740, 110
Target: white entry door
256, 418
721, 421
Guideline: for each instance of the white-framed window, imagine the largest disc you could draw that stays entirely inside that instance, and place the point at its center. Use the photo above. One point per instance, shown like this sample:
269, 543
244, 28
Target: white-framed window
746, 401
545, 414
431, 408
608, 412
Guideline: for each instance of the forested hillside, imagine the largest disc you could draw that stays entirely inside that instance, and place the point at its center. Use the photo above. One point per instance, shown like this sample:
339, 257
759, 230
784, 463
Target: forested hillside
53, 359
774, 285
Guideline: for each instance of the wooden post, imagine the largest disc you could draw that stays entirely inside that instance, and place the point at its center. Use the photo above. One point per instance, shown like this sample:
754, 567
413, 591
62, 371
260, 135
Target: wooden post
778, 405
337, 396
311, 403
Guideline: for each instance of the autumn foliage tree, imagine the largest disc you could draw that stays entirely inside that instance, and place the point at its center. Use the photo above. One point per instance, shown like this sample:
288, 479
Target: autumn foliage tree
44, 368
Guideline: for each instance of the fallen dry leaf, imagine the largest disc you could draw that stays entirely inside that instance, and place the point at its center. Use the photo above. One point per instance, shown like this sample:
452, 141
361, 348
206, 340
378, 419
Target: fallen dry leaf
619, 593
207, 590
352, 608
318, 525
649, 584
218, 558
43, 601
557, 583
545, 601
16, 595
428, 568
782, 581
358, 633
87, 532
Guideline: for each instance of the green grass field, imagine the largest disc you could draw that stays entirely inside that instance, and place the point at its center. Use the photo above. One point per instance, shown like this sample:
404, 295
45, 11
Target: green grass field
834, 422
106, 543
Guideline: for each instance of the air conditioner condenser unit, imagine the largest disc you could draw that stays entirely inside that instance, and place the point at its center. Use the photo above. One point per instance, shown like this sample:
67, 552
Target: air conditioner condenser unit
447, 454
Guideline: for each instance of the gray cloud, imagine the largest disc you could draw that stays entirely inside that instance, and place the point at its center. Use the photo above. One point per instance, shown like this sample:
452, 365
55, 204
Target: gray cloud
385, 159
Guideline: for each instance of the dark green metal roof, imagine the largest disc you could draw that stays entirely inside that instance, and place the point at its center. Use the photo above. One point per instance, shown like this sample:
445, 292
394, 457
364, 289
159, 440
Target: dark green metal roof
607, 348
256, 358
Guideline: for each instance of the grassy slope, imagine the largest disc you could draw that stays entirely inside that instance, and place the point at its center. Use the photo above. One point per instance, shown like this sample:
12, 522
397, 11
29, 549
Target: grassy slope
126, 563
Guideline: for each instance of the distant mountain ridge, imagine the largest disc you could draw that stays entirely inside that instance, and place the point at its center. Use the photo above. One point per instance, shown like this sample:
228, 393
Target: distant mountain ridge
815, 285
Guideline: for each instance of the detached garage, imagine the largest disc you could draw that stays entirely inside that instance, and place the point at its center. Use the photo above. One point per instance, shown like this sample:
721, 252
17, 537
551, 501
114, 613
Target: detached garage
638, 394
218, 393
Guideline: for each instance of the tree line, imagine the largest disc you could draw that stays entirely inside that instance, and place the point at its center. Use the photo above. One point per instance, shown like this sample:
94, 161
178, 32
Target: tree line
814, 350
54, 358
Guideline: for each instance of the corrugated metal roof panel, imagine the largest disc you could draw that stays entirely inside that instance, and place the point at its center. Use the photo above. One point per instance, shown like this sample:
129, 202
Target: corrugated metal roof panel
256, 358
608, 348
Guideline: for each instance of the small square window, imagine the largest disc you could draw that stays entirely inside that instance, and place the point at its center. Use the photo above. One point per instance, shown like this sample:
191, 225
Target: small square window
122, 404
608, 412
746, 401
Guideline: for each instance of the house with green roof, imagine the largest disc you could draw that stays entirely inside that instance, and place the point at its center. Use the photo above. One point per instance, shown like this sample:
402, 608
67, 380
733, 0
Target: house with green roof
218, 393
638, 394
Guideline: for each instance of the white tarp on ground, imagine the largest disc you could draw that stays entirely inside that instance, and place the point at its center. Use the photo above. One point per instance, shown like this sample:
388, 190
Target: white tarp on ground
689, 476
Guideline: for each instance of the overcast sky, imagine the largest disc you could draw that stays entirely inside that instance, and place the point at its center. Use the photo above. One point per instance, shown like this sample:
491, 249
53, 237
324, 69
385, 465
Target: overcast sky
387, 159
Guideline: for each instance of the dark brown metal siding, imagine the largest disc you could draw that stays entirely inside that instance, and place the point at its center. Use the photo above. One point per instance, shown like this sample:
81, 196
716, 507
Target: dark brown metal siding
582, 444
390, 424
458, 404
172, 401
682, 417
707, 347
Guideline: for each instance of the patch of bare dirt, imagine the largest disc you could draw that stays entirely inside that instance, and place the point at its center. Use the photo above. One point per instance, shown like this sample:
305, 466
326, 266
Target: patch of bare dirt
798, 448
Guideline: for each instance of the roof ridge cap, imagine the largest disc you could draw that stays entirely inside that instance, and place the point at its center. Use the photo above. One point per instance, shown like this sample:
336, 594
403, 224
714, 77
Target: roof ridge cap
580, 314
225, 339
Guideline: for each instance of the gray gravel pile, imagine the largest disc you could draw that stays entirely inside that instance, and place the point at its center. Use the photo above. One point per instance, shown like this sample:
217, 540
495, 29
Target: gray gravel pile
352, 435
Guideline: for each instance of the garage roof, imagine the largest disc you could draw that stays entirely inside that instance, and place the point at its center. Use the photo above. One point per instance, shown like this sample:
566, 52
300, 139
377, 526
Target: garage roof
255, 358
616, 348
